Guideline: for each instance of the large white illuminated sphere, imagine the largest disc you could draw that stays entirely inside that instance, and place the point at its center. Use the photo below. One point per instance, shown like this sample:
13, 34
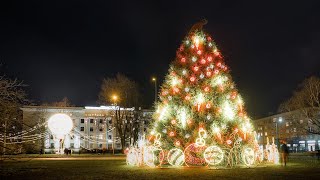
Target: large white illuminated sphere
60, 125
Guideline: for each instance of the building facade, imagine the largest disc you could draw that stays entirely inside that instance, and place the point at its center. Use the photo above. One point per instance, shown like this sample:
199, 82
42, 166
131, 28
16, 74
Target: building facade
94, 128
290, 127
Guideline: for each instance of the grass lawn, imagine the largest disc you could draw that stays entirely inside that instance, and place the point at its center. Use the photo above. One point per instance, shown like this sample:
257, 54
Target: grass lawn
116, 168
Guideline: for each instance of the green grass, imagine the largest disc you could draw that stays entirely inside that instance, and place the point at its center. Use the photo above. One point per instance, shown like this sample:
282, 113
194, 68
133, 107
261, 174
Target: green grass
117, 169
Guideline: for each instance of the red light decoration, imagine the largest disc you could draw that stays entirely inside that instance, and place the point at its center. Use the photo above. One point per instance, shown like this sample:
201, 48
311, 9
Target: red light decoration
236, 130
181, 48
208, 73
171, 134
192, 78
187, 97
219, 64
233, 95
177, 143
199, 52
203, 61
216, 71
208, 105
209, 38
207, 89
176, 90
229, 141
216, 52
173, 121
183, 60
189, 121
194, 155
164, 93
196, 68
209, 58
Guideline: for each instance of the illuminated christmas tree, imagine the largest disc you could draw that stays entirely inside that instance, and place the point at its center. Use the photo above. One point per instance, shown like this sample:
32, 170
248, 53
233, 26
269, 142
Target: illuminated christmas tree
200, 118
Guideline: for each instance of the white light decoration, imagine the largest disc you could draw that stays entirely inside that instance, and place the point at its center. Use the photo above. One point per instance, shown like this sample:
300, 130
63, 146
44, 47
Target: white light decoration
200, 98
228, 111
175, 157
213, 155
132, 157
174, 81
183, 117
219, 80
194, 59
163, 112
248, 156
60, 125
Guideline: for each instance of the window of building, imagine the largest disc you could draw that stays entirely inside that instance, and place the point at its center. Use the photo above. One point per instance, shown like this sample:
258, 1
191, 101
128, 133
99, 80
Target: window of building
82, 129
101, 121
91, 128
82, 120
110, 121
100, 145
265, 133
52, 145
301, 121
110, 137
294, 129
51, 136
100, 136
91, 120
287, 124
72, 145
100, 129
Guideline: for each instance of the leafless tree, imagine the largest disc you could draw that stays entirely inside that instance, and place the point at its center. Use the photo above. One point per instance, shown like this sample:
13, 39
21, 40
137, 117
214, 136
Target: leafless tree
12, 96
306, 100
65, 102
127, 93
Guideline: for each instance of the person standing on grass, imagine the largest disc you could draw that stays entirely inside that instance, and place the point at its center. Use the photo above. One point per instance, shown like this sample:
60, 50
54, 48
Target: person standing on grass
284, 153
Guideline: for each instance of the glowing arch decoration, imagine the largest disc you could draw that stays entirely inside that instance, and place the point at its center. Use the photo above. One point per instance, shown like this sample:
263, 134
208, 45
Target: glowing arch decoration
60, 125
176, 157
248, 156
213, 155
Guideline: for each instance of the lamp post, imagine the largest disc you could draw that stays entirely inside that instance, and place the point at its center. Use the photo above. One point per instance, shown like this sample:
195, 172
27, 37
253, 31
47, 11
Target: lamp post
155, 88
114, 98
277, 131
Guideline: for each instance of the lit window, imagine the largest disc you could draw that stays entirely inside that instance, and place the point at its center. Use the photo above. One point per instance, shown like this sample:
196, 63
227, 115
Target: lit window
265, 133
287, 124
82, 120
82, 129
301, 121
91, 128
294, 129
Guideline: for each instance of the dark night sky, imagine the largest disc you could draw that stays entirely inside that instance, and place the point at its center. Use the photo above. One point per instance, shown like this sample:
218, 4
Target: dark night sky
65, 48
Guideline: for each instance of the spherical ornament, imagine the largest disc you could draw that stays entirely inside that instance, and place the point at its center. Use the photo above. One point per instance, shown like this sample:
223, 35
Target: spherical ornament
173, 121
209, 58
194, 155
199, 52
196, 68
187, 42
192, 46
248, 156
201, 76
194, 59
216, 71
208, 105
186, 89
60, 125
211, 66
208, 117
153, 156
177, 143
187, 136
187, 97
229, 142
176, 157
203, 61
206, 89
219, 64
192, 79
171, 134
164, 130
213, 155
170, 98
184, 72
210, 44
133, 157
183, 60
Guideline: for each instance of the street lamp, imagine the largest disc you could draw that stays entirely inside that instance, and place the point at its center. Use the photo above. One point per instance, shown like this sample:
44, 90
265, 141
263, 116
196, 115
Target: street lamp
277, 130
155, 88
114, 98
